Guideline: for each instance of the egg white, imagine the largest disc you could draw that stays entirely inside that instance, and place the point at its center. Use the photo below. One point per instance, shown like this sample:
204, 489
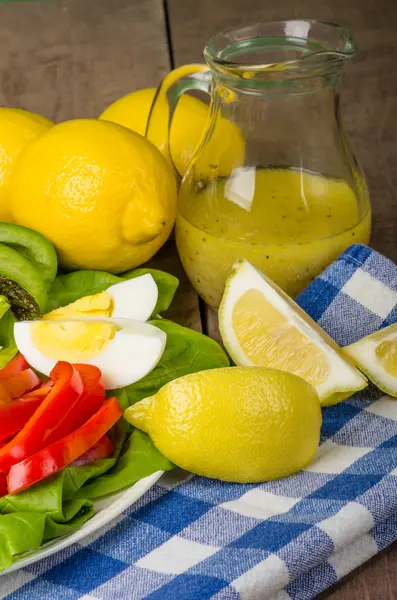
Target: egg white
134, 298
134, 351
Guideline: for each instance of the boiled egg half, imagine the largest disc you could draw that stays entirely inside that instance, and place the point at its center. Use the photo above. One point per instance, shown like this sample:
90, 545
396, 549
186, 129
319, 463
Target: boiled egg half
131, 299
124, 350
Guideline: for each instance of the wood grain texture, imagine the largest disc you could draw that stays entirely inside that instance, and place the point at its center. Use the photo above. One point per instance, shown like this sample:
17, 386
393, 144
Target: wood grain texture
370, 111
369, 84
72, 58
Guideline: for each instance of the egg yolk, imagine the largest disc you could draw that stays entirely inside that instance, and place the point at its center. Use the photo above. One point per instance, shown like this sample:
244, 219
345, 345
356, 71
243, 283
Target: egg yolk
72, 341
95, 306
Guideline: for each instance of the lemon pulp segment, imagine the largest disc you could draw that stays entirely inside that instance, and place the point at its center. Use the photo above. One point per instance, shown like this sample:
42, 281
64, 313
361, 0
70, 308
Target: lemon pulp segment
376, 356
386, 353
267, 338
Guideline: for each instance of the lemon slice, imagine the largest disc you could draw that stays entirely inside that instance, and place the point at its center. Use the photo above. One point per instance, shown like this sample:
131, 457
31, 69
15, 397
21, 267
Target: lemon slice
376, 356
260, 325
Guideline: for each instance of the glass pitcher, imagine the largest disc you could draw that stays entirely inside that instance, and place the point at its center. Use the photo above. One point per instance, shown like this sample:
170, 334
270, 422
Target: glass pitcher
273, 179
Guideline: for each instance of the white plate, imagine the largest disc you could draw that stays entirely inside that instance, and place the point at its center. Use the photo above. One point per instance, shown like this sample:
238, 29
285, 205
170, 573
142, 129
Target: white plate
106, 509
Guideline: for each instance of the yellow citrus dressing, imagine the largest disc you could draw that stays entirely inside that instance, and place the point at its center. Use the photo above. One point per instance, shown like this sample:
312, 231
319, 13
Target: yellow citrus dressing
289, 224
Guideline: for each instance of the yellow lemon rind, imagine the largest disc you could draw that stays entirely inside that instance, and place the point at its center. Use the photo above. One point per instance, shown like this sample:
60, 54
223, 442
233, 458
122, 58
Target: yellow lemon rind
241, 424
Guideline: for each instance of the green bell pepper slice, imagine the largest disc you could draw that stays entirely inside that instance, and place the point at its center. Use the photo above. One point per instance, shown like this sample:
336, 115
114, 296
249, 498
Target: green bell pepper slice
33, 246
22, 283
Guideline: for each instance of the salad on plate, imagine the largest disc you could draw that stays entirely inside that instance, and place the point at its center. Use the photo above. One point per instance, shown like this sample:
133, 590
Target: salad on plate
77, 349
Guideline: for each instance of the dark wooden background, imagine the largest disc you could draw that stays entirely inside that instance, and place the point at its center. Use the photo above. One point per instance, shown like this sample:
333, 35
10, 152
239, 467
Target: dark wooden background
71, 58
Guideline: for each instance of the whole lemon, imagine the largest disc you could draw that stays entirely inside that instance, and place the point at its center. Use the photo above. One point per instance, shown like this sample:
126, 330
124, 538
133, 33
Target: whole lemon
132, 110
243, 424
188, 125
17, 128
102, 194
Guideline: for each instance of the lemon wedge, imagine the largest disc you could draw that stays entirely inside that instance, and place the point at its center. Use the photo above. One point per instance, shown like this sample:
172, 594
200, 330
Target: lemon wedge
260, 325
376, 356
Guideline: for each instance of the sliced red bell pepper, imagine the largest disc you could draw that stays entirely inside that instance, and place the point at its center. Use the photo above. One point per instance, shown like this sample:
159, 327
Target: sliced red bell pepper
51, 459
90, 401
102, 449
48, 418
3, 485
15, 415
93, 396
18, 385
41, 392
92, 379
16, 365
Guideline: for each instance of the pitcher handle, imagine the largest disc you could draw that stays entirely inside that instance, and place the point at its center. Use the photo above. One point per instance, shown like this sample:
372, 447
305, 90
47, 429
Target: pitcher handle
176, 83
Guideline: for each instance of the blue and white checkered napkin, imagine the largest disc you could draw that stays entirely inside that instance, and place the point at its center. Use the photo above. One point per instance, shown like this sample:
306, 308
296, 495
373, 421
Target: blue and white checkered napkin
288, 539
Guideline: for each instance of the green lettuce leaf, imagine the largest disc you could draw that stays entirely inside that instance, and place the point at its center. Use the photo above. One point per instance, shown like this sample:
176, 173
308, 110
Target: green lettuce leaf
139, 459
121, 430
187, 351
166, 283
22, 532
46, 511
19, 533
49, 496
76, 512
73, 286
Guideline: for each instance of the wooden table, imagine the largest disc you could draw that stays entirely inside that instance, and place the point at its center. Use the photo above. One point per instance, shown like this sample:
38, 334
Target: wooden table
71, 58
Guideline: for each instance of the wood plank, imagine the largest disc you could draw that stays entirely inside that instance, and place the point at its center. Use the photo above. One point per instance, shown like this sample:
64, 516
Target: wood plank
369, 87
370, 111
71, 58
